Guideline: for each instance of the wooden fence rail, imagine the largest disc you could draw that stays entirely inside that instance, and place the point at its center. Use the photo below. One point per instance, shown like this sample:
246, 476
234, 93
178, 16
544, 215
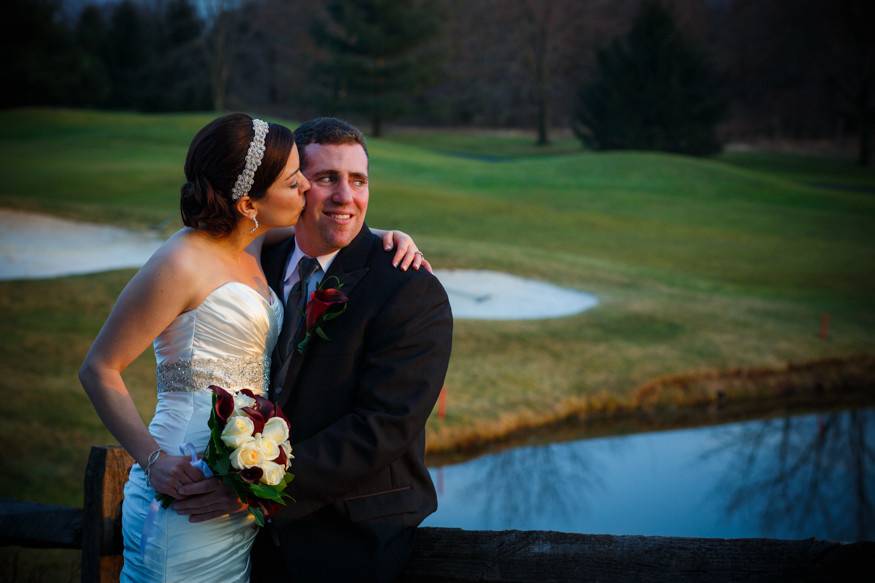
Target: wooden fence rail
459, 556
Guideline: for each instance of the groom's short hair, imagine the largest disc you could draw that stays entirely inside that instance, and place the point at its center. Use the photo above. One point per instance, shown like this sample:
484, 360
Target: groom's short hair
327, 130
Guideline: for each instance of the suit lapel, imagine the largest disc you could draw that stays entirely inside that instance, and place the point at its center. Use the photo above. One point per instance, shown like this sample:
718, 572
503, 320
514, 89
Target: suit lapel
349, 267
275, 260
274, 264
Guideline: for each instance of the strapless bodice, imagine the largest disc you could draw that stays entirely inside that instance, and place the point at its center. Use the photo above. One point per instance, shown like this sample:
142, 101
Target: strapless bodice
226, 341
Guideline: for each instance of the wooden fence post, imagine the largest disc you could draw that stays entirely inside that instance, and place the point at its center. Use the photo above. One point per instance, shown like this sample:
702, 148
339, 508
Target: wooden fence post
105, 477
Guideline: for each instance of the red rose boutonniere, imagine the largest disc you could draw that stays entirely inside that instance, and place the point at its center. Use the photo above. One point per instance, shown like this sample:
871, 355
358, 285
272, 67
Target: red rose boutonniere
325, 304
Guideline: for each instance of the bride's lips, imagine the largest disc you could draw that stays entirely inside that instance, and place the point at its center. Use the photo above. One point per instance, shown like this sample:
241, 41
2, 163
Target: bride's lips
338, 217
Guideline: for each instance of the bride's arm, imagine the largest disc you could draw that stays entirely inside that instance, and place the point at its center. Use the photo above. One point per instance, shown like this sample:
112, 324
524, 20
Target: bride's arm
407, 254
278, 235
160, 291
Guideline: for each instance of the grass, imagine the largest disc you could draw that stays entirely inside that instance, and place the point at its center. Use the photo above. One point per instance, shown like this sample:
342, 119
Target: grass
488, 146
700, 265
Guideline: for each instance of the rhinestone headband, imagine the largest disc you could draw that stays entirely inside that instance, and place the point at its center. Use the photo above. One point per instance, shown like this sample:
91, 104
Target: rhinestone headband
253, 160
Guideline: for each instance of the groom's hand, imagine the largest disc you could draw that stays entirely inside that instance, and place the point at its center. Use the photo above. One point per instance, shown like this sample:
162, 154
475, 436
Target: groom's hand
207, 499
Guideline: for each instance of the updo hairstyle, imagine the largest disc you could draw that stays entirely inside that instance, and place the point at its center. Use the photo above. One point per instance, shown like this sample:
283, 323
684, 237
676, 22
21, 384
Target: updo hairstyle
215, 159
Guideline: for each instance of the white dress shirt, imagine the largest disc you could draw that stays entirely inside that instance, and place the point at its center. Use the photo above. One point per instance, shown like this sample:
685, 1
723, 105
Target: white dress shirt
291, 274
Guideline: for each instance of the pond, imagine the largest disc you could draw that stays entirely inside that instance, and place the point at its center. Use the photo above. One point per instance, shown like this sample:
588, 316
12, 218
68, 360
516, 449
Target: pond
789, 477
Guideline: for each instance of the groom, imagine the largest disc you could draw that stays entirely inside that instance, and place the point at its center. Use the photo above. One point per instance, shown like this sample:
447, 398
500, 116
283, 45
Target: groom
358, 402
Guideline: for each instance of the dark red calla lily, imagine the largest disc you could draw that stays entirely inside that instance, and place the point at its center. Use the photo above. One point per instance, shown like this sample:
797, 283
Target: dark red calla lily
278, 412
281, 458
224, 403
252, 474
257, 418
266, 407
320, 302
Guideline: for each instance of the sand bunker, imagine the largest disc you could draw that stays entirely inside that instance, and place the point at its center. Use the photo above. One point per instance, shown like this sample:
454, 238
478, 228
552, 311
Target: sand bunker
492, 295
39, 246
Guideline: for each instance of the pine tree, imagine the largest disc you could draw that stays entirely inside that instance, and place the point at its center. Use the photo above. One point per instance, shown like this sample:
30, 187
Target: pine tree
653, 90
128, 53
376, 62
176, 78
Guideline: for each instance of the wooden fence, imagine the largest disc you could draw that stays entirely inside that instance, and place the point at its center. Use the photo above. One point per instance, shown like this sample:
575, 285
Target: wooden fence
461, 556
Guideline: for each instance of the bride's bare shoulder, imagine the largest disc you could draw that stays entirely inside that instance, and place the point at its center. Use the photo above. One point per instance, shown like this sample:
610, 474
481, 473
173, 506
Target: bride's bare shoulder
184, 254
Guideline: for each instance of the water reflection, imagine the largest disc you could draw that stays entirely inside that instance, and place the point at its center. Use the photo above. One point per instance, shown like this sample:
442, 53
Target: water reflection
808, 474
788, 477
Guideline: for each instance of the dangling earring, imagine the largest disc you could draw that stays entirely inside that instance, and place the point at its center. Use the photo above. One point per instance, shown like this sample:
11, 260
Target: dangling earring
254, 219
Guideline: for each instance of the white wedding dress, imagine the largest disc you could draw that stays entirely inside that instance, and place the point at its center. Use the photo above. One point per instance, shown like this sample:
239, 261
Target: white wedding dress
227, 341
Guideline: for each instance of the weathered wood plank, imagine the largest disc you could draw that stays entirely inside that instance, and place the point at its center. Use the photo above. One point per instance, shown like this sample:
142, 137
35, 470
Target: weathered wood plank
459, 556
105, 476
30, 524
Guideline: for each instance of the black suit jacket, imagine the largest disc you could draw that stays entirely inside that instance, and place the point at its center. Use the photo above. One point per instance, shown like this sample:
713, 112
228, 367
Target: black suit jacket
357, 406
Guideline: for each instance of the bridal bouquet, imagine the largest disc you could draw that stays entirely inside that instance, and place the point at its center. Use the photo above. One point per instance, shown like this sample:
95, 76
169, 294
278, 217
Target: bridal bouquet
249, 450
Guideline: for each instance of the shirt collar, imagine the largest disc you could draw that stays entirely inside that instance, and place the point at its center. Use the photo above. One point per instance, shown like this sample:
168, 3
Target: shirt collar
325, 261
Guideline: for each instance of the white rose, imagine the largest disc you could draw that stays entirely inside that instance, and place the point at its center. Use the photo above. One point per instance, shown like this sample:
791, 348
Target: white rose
268, 448
287, 447
272, 473
238, 431
240, 401
246, 456
276, 430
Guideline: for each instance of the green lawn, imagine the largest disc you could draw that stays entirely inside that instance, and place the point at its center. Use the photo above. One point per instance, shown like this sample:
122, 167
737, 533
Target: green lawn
699, 264
492, 145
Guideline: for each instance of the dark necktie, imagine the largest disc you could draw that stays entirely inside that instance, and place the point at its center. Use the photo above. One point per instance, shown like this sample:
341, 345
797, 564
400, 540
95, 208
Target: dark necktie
295, 307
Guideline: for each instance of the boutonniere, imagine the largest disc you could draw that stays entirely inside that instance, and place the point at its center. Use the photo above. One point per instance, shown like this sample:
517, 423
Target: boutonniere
325, 304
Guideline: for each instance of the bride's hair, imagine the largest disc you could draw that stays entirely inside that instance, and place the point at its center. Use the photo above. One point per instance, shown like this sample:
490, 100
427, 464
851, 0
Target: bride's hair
215, 158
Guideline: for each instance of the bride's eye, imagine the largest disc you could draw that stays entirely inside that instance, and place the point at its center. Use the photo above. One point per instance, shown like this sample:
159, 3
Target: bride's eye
294, 185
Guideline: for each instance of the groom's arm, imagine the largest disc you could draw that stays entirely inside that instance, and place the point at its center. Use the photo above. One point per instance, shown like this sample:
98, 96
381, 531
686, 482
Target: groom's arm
406, 354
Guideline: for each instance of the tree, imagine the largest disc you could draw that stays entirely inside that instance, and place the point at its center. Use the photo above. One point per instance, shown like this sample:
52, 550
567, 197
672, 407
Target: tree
177, 77
220, 46
850, 67
376, 59
653, 90
127, 53
42, 64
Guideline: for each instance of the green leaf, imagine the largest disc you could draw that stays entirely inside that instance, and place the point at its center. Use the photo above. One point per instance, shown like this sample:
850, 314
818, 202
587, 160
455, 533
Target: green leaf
266, 492
258, 514
222, 466
331, 314
321, 334
324, 283
303, 343
236, 483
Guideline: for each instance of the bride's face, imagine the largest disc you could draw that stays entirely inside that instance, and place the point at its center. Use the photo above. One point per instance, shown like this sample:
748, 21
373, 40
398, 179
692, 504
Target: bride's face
283, 201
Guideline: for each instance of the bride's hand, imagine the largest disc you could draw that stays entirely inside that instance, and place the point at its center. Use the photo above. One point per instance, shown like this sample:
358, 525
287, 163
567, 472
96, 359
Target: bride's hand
170, 472
407, 254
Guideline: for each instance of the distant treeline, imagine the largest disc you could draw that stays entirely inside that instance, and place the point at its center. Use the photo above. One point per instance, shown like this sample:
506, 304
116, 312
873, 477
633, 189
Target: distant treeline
782, 68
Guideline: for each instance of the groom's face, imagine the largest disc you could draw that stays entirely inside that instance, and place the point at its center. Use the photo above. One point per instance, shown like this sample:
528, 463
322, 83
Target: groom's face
337, 200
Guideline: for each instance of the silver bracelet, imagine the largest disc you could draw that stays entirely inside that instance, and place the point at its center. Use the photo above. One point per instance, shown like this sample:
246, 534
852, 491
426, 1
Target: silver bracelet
153, 457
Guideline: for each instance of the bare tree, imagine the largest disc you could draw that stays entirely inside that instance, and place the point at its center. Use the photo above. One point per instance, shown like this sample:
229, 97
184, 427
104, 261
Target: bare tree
849, 60
219, 42
802, 474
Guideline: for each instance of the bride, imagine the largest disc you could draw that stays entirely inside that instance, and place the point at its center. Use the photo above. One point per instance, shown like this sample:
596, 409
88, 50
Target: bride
203, 301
